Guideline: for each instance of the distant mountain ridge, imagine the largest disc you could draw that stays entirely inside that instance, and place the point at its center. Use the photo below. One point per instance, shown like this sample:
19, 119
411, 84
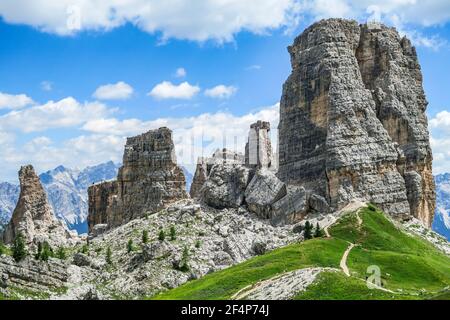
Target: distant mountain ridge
67, 193
441, 223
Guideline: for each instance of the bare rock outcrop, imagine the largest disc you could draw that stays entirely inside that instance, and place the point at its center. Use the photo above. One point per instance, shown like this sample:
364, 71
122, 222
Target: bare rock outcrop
33, 216
147, 182
352, 119
205, 164
226, 185
263, 191
258, 150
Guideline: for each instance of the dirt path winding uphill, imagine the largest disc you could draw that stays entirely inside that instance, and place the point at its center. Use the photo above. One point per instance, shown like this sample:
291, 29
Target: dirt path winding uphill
343, 263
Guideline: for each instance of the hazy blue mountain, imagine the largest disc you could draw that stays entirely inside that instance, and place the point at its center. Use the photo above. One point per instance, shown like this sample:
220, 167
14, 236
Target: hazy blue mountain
441, 223
9, 194
67, 192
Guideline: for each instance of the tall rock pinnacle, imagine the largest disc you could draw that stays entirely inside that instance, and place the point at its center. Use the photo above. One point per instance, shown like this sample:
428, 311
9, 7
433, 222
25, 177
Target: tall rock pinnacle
33, 216
148, 181
352, 119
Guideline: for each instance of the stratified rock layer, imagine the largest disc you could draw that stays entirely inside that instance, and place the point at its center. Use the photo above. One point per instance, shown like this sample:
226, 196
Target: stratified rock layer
352, 119
33, 216
148, 181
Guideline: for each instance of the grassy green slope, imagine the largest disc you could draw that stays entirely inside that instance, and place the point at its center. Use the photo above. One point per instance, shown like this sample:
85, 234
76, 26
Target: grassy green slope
410, 266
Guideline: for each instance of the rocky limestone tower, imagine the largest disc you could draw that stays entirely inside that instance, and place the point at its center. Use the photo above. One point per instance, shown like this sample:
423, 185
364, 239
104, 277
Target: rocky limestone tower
148, 181
258, 150
33, 216
352, 119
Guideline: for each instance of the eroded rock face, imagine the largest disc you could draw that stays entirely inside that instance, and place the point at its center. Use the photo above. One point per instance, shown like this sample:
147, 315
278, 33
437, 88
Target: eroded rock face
226, 185
205, 164
33, 216
148, 181
263, 191
352, 119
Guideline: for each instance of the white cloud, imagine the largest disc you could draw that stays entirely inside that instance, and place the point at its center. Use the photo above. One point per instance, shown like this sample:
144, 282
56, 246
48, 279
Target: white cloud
440, 142
406, 15
63, 113
191, 20
221, 92
116, 91
441, 121
104, 140
46, 85
14, 101
193, 136
168, 90
180, 73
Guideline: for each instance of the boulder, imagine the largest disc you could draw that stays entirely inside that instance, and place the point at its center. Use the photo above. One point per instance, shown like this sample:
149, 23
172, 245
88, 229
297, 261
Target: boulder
226, 185
259, 247
291, 208
318, 204
157, 250
263, 190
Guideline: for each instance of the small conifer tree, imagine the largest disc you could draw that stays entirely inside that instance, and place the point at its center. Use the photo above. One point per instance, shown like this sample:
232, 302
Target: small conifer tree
18, 248
173, 233
130, 246
308, 230
144, 236
318, 232
109, 256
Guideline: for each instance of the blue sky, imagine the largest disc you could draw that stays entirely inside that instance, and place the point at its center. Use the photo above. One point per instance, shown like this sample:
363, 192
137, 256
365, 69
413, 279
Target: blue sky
71, 92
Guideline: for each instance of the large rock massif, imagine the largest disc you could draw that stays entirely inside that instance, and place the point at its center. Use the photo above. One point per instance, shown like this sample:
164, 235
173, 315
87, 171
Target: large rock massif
148, 181
33, 216
352, 119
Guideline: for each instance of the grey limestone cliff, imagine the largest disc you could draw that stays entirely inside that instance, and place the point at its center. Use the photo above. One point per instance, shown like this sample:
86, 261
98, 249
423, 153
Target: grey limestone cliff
352, 119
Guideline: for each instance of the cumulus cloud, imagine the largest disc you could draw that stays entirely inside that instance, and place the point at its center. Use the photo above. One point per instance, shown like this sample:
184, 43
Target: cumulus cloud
193, 136
218, 20
406, 15
116, 91
168, 90
63, 113
180, 73
440, 141
14, 101
103, 139
191, 20
221, 92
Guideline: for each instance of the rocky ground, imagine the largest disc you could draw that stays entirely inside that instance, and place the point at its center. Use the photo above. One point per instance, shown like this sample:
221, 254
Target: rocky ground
416, 227
213, 239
